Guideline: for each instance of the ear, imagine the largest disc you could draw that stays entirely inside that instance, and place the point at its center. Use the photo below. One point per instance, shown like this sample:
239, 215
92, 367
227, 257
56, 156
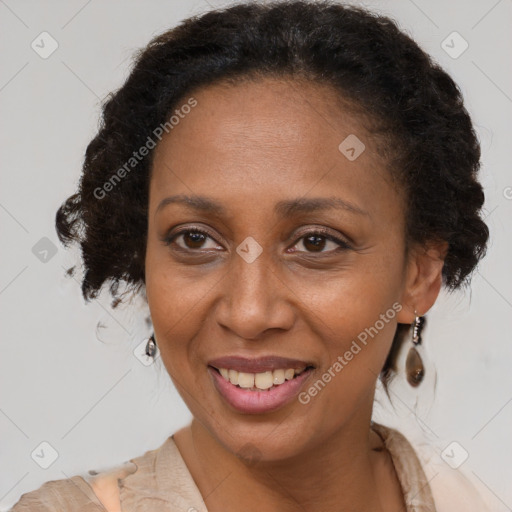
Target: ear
423, 280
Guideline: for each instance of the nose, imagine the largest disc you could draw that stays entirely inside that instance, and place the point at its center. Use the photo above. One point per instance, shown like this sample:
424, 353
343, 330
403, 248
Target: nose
255, 298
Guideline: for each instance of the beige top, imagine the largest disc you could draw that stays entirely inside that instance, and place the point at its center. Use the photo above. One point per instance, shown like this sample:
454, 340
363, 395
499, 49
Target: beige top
160, 481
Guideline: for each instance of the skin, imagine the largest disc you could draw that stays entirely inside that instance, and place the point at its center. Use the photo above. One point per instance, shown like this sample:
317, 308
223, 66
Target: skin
249, 146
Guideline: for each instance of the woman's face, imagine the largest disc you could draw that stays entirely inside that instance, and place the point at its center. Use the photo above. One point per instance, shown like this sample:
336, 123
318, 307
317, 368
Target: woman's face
263, 283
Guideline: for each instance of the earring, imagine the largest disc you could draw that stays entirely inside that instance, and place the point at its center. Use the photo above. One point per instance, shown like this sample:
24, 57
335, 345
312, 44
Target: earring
414, 368
151, 346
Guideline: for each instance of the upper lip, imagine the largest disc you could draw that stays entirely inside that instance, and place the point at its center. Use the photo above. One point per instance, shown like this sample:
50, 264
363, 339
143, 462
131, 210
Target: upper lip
257, 364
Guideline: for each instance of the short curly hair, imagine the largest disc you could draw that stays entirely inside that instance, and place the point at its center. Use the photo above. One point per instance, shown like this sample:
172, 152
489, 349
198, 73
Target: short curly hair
412, 103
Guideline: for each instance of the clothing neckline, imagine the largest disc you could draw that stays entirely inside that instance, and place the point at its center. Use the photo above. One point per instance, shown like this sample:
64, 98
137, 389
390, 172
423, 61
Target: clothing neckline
162, 481
413, 480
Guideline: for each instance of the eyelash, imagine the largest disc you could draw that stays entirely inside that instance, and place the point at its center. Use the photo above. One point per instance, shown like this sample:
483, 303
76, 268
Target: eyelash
343, 245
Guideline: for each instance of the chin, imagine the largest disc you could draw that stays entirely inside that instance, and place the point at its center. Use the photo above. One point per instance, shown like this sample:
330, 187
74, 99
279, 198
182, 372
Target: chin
263, 440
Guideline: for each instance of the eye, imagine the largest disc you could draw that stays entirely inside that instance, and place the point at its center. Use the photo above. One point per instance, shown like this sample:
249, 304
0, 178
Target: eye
316, 241
192, 239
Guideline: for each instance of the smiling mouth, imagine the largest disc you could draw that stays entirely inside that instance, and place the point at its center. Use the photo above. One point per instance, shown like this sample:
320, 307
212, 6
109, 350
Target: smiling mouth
262, 381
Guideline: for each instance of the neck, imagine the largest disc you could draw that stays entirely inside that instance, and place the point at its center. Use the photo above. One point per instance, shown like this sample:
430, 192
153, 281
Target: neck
336, 474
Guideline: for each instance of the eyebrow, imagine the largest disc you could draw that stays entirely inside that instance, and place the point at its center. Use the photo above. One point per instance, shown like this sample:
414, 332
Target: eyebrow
285, 208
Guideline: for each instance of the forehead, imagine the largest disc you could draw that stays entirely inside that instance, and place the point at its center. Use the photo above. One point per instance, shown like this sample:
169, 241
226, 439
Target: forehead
270, 139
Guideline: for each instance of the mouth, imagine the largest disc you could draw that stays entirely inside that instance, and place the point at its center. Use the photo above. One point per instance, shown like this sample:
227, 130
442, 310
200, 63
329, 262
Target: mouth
261, 381
256, 386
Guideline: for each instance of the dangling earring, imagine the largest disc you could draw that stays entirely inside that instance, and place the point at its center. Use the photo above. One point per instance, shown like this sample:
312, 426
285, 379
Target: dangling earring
151, 346
414, 368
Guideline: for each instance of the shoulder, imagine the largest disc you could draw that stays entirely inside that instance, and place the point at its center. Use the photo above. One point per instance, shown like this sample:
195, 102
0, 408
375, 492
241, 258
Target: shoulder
105, 485
94, 492
68, 494
452, 485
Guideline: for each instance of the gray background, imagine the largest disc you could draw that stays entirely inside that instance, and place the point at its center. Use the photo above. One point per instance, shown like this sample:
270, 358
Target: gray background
68, 373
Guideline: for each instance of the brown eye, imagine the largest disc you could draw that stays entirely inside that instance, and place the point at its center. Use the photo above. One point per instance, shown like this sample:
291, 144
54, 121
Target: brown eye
317, 241
192, 239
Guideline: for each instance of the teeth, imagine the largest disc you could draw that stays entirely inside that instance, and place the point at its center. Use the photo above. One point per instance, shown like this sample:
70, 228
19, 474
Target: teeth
233, 377
263, 380
278, 376
245, 380
288, 374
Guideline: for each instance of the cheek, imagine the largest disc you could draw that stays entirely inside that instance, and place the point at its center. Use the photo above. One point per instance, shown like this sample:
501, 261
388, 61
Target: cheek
360, 335
174, 302
173, 291
352, 300
356, 339
355, 315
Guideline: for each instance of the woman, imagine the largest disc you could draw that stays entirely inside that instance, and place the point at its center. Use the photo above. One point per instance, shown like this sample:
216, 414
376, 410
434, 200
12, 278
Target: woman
289, 185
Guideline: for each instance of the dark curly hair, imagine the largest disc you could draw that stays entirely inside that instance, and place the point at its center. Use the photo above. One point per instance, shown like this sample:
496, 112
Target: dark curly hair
410, 103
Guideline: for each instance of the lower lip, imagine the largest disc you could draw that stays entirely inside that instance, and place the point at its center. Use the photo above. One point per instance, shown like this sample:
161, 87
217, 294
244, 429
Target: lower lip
257, 402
